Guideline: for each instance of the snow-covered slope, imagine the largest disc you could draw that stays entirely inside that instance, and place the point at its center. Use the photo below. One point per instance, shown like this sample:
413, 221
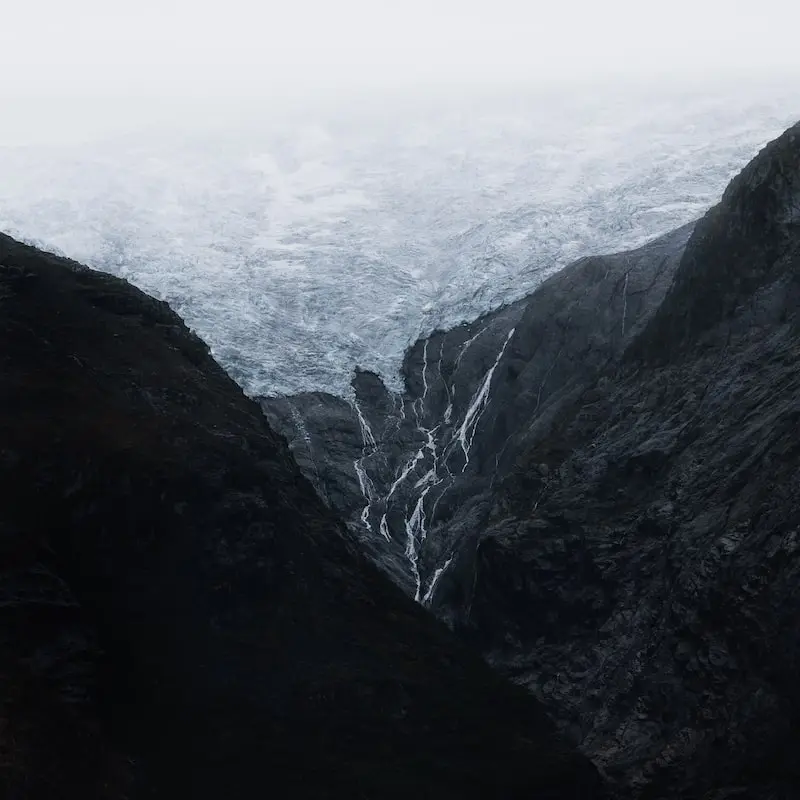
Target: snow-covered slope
301, 247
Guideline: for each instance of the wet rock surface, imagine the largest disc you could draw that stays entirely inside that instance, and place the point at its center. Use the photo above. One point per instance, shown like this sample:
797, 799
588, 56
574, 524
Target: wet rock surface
182, 616
618, 531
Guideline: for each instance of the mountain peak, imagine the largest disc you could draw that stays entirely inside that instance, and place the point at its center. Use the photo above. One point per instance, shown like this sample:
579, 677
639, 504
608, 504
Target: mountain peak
767, 190
742, 244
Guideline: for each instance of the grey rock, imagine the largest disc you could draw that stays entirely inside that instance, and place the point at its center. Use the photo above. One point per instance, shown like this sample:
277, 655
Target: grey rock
180, 614
624, 537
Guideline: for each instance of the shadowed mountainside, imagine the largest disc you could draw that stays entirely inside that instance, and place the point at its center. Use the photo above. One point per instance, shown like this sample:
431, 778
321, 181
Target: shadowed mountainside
181, 616
598, 486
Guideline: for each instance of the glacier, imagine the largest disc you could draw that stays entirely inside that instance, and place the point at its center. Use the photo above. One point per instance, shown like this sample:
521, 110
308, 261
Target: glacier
301, 246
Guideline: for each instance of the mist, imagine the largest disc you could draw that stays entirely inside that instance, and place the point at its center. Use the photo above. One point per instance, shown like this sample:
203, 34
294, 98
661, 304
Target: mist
314, 185
91, 66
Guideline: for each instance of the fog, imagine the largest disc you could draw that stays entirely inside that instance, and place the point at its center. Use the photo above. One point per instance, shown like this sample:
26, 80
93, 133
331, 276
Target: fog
70, 69
312, 185
305, 247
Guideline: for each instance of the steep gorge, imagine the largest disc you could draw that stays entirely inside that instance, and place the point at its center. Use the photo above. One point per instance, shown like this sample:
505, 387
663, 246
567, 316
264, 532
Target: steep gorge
598, 487
181, 616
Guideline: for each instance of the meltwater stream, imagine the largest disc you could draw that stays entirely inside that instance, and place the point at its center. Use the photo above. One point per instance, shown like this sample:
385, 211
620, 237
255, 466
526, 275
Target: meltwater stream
434, 443
302, 246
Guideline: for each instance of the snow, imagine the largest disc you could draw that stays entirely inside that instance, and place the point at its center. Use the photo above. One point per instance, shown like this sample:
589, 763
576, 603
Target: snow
304, 247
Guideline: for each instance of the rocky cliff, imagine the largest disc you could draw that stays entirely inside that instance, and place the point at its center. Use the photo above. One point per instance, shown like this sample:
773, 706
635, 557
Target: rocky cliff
180, 614
598, 486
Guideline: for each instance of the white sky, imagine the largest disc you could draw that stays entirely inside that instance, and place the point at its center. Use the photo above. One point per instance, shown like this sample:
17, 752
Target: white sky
209, 46
154, 50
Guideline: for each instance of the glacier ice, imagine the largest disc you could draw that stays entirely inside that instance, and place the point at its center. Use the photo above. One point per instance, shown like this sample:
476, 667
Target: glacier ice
299, 256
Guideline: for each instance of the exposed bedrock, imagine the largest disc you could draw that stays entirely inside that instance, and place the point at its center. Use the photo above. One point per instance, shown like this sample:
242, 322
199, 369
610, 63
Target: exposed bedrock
599, 485
180, 614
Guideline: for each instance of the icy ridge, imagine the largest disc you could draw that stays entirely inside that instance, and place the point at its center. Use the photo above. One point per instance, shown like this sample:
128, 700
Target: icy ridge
302, 250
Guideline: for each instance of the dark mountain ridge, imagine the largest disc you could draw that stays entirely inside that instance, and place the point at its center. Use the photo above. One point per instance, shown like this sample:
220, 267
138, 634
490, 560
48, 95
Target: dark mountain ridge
598, 487
181, 616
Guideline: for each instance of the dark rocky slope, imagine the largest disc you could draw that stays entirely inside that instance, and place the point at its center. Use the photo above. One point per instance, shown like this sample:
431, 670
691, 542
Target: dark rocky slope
181, 616
623, 540
400, 468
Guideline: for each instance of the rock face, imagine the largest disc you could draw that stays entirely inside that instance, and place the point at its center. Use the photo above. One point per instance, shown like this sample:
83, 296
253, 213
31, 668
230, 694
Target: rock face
399, 468
612, 514
181, 616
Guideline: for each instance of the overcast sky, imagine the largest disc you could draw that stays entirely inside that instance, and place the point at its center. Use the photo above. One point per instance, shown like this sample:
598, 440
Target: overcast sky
200, 49
214, 46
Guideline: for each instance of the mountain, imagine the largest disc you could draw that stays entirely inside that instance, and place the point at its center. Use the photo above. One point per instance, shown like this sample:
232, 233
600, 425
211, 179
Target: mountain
597, 486
182, 616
